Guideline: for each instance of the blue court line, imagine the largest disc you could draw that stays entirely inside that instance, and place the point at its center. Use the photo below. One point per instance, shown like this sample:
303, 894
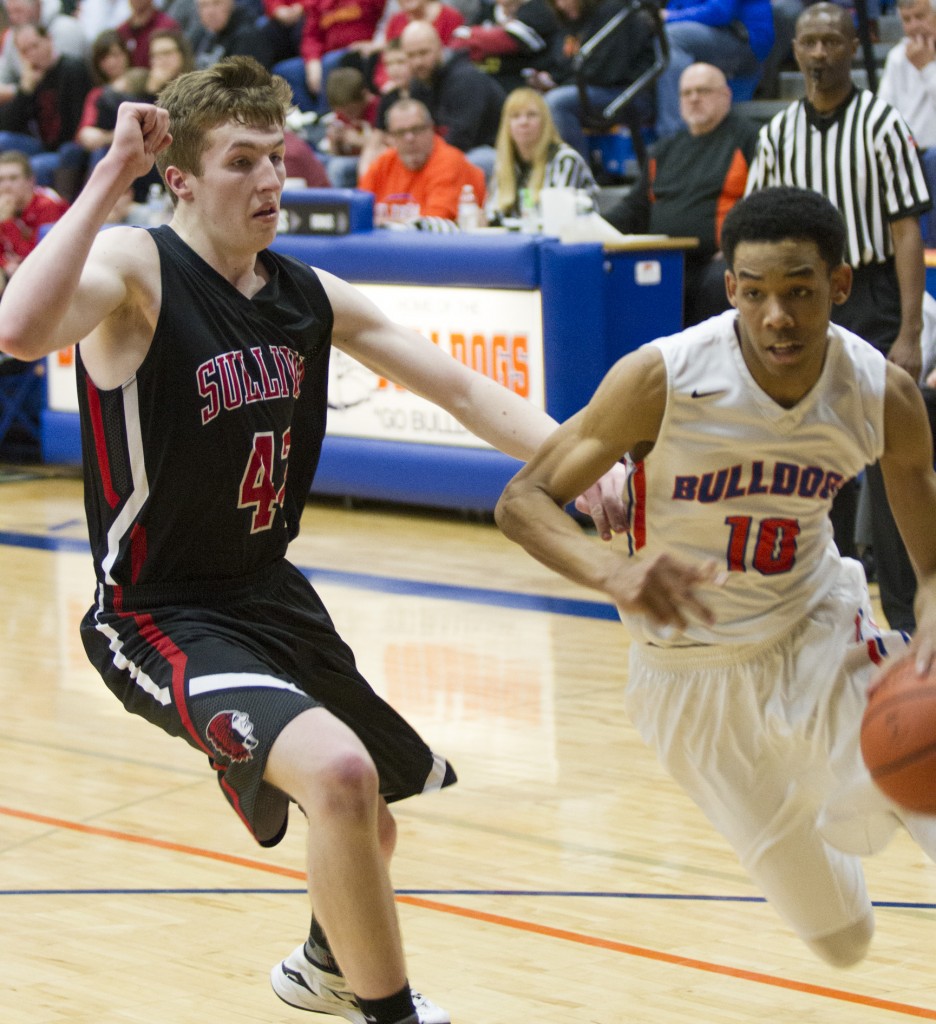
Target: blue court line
266, 891
377, 584
38, 543
474, 595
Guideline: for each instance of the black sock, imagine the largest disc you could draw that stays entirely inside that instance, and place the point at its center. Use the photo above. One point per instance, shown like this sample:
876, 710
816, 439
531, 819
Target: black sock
319, 950
396, 1009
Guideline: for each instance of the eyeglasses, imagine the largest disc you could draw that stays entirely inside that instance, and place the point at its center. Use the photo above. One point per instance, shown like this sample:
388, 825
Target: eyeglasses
401, 133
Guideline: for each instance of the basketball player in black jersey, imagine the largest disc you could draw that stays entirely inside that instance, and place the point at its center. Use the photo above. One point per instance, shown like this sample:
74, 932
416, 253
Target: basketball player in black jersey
201, 362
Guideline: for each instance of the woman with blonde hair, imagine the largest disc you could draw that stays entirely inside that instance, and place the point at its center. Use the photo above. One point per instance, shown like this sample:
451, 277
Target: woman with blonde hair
531, 156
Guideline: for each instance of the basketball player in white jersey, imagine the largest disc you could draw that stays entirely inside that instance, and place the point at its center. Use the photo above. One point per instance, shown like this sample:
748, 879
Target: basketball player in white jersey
753, 640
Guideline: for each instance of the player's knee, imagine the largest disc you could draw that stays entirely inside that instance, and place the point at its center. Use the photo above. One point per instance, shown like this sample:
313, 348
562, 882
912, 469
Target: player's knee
847, 947
346, 787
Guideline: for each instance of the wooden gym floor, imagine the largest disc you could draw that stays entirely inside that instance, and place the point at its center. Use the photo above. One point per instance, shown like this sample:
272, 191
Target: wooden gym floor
564, 880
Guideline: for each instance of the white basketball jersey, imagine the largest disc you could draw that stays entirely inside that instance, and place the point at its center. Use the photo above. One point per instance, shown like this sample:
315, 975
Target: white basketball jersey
735, 477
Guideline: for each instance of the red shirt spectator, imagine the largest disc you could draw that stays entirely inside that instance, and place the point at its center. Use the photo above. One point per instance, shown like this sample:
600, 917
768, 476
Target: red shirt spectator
24, 208
336, 24
144, 20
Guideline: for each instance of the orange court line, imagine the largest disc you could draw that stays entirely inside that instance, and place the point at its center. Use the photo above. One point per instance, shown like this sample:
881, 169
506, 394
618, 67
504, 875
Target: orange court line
161, 844
530, 927
672, 958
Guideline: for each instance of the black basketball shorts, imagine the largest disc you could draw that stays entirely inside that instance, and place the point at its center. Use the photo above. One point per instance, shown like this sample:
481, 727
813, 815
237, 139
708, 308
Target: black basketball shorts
226, 667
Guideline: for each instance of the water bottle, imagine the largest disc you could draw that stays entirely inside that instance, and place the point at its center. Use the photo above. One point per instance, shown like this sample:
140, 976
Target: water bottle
156, 212
529, 216
468, 209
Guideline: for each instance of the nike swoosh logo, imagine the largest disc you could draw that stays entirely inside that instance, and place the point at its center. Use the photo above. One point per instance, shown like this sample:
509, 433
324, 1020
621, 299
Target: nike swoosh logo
705, 394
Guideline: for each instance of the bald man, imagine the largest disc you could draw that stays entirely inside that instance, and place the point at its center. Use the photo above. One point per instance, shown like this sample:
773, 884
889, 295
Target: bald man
465, 103
691, 180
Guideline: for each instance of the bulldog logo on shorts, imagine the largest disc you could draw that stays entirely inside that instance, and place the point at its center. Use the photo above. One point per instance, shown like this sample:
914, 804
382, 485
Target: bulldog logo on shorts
231, 735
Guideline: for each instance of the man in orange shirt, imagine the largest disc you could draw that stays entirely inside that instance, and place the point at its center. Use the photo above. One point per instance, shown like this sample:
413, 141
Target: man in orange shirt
419, 180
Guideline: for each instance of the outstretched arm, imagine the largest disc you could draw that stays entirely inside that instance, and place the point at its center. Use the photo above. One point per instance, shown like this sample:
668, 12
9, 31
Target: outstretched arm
530, 511
490, 411
61, 292
907, 466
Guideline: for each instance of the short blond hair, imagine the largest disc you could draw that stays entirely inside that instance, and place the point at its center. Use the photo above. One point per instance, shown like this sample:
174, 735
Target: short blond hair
235, 89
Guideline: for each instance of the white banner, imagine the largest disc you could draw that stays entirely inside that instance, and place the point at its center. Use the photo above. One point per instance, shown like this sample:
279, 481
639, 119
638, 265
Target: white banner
495, 331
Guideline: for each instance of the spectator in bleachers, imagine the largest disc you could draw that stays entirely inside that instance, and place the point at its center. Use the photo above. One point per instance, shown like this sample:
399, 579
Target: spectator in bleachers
399, 86
734, 35
513, 38
418, 181
615, 63
464, 102
65, 32
24, 208
330, 27
282, 28
43, 116
690, 182
444, 18
228, 29
145, 19
908, 83
353, 113
399, 76
531, 156
110, 62
109, 59
170, 56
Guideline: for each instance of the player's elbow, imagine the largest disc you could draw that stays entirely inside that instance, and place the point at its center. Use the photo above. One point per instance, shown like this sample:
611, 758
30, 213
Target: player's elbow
518, 505
506, 513
13, 345
16, 342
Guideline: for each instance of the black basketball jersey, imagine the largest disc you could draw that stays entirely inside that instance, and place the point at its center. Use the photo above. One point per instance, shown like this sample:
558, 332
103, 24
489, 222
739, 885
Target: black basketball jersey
185, 465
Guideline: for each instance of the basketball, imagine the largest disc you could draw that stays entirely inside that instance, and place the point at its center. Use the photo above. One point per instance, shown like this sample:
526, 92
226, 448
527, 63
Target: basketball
898, 736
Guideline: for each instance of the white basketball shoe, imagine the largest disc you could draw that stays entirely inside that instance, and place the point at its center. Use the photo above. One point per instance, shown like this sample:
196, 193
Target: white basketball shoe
302, 983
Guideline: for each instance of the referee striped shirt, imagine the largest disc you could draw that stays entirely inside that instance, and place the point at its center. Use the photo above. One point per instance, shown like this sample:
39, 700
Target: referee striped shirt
862, 158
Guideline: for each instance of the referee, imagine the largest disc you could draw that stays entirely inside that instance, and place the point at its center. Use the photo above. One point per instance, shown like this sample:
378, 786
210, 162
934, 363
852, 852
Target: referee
857, 151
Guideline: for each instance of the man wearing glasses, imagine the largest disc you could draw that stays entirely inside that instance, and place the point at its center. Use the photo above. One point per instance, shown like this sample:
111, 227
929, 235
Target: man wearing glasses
419, 180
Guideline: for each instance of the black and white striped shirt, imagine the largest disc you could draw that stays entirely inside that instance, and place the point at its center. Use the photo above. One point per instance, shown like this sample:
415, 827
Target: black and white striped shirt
565, 168
862, 158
